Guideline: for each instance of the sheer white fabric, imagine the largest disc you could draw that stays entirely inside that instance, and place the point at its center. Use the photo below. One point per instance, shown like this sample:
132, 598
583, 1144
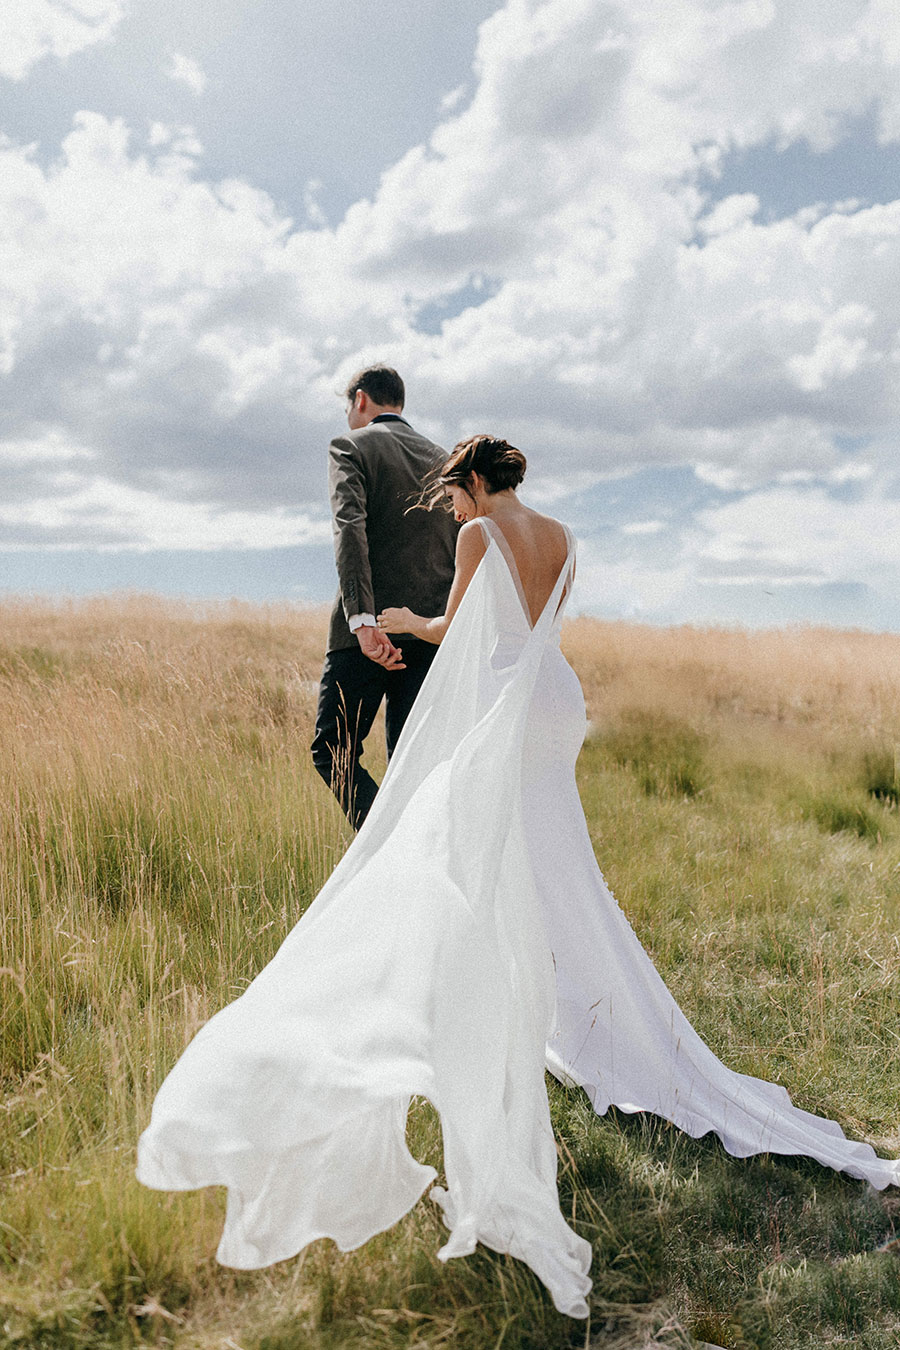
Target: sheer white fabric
466, 937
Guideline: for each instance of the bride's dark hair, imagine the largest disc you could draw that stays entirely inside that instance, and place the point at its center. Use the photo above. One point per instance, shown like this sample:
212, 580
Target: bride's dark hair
500, 464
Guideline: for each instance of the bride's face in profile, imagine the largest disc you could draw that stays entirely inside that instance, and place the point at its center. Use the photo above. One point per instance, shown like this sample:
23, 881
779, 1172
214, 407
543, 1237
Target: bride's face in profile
465, 502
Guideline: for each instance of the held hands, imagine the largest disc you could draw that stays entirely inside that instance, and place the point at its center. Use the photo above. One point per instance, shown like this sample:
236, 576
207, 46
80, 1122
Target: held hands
378, 647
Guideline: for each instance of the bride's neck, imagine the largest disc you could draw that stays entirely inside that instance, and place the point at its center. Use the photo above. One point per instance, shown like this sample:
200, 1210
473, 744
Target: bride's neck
500, 504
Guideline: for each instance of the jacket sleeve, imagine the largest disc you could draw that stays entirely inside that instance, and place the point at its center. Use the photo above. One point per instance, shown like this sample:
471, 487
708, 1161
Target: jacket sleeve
348, 489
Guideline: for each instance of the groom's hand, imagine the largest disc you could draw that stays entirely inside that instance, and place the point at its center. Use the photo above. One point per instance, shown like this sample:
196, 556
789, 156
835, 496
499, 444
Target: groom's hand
378, 647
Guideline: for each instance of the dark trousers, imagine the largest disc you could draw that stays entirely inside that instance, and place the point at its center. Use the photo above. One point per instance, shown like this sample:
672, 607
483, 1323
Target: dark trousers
350, 695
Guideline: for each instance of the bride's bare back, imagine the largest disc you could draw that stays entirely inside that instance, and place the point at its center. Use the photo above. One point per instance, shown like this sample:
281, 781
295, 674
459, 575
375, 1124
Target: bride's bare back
539, 547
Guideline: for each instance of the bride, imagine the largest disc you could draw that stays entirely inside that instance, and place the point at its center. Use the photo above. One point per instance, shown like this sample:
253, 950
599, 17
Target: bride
465, 940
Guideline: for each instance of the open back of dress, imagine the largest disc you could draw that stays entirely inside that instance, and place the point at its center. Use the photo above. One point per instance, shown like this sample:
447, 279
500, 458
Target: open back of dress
466, 937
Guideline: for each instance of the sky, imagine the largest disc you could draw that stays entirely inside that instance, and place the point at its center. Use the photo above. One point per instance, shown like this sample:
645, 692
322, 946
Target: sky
655, 244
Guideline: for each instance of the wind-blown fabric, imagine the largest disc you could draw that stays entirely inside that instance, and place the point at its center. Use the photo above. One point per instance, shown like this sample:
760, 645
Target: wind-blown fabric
420, 968
466, 938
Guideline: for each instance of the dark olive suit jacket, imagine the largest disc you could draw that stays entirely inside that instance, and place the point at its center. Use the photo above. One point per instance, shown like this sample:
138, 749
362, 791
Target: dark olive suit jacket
385, 554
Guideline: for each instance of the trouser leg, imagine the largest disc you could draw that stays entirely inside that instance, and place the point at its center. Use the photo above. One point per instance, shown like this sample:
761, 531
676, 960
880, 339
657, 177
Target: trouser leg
402, 687
350, 694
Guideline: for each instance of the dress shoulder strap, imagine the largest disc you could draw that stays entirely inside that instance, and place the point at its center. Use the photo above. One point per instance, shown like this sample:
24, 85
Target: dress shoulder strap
488, 529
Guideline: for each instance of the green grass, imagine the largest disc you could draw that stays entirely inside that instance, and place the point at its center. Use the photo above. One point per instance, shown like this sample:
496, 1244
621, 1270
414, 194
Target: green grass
880, 772
665, 754
161, 830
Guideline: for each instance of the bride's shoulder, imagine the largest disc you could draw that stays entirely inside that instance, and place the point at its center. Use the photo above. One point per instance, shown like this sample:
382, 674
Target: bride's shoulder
470, 541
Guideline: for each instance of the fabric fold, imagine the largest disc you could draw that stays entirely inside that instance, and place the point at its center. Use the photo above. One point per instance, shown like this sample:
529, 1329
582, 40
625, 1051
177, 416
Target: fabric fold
421, 968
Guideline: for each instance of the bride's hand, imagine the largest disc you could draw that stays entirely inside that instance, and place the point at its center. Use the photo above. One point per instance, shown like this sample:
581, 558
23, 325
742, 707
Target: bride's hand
396, 620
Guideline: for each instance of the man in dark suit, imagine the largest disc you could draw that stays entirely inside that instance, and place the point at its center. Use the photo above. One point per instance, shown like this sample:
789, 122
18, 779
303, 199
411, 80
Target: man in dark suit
386, 555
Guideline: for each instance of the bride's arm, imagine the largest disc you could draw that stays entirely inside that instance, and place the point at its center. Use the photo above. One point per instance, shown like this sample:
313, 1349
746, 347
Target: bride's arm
470, 549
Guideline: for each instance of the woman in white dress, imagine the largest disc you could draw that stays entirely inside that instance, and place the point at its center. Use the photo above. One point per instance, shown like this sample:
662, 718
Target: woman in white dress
465, 940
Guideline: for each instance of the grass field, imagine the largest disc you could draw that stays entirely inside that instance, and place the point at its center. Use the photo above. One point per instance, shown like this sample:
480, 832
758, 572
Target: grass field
161, 830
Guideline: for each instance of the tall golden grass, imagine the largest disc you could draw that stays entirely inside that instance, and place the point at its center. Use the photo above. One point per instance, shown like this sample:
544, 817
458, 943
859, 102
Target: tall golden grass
829, 680
162, 828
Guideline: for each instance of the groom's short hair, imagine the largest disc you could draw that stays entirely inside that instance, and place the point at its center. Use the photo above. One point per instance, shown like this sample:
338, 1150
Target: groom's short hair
382, 384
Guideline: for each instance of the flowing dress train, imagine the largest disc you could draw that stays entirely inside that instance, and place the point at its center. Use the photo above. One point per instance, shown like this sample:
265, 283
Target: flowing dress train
465, 940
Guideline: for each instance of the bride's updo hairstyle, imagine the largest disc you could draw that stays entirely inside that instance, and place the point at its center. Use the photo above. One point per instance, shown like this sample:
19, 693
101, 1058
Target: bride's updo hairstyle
500, 464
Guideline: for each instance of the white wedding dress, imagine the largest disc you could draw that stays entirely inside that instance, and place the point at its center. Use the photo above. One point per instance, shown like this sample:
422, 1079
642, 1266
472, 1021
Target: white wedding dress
465, 940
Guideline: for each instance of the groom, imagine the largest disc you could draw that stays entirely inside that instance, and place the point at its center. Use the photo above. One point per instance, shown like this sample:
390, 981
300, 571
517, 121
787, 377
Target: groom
386, 555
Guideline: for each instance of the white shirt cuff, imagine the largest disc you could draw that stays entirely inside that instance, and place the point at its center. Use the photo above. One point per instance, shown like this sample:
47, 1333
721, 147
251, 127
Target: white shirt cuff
361, 621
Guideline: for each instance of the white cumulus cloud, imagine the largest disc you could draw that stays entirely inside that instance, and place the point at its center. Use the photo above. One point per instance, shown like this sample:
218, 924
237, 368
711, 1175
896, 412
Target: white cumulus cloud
808, 534
33, 29
108, 516
185, 70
